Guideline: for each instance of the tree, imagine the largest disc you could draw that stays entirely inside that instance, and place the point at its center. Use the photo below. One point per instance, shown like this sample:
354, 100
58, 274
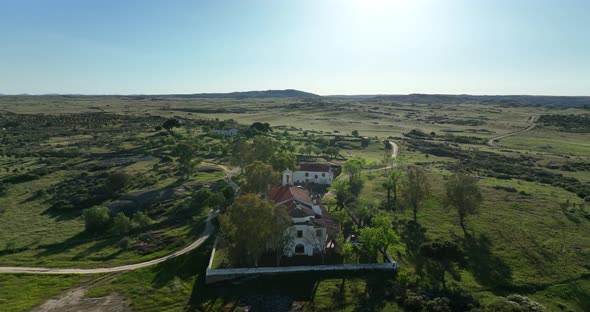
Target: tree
263, 148
379, 236
260, 127
463, 194
116, 182
241, 154
415, 188
341, 191
353, 168
332, 151
280, 237
355, 133
259, 177
443, 255
246, 226
391, 186
170, 124
282, 161
187, 161
121, 224
96, 219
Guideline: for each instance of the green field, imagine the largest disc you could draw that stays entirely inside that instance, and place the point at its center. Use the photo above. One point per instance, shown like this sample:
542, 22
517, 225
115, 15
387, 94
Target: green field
523, 241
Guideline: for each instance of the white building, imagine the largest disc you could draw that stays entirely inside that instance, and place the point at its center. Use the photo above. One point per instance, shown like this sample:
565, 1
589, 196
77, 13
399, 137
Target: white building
313, 228
309, 173
227, 132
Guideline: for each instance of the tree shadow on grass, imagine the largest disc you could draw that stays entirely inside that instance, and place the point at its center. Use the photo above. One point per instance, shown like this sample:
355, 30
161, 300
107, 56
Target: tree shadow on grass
487, 268
64, 246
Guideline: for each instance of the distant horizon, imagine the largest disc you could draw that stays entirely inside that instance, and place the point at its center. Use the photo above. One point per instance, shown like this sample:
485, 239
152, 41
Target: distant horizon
264, 90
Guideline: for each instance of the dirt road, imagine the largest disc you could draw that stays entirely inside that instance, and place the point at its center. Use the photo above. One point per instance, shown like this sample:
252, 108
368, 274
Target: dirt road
35, 270
532, 126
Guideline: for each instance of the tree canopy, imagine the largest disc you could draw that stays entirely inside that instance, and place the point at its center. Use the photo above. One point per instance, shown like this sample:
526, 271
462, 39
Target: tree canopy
463, 194
250, 225
260, 177
415, 188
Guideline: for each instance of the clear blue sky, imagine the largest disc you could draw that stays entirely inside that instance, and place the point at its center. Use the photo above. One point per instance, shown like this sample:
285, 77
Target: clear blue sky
325, 47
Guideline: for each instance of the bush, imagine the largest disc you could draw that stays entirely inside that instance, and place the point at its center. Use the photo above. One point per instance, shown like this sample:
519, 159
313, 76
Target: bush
96, 219
117, 181
121, 224
140, 219
124, 243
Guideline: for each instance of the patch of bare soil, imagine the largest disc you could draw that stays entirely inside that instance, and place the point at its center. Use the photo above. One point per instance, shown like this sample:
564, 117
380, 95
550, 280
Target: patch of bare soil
75, 300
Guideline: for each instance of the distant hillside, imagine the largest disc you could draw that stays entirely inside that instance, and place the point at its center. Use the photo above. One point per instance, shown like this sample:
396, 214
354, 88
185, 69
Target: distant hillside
253, 94
510, 100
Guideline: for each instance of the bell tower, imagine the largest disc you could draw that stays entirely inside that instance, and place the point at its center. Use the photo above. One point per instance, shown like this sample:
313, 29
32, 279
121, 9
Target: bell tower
287, 177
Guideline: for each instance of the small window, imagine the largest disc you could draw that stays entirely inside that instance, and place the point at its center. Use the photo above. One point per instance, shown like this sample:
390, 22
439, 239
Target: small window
299, 234
316, 176
307, 174
323, 174
318, 233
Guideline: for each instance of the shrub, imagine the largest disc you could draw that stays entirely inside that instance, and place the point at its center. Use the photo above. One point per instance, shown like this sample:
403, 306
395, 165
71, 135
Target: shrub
121, 224
124, 243
96, 219
140, 219
117, 181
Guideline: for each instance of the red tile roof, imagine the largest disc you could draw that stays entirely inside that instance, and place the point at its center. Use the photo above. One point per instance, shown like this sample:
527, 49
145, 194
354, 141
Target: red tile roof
314, 167
286, 192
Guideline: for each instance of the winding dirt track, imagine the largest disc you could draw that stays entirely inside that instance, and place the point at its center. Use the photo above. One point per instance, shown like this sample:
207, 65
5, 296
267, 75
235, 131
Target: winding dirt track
204, 236
531, 127
34, 270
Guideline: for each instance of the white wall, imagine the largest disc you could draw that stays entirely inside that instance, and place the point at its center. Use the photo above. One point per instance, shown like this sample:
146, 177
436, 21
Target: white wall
309, 239
300, 177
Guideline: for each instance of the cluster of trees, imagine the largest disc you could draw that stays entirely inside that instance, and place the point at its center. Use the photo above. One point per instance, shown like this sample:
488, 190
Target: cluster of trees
448, 137
88, 190
99, 220
261, 160
251, 227
567, 123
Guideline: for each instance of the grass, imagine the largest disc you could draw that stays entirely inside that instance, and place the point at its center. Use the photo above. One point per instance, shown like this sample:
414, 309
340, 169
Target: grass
21, 292
167, 286
520, 243
517, 243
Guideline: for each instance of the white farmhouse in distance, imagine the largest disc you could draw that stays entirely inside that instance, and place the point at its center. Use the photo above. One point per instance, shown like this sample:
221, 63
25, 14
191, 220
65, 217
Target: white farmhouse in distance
227, 132
309, 173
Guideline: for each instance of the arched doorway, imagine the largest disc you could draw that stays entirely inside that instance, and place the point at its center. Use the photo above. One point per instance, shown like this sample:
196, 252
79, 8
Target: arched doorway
299, 249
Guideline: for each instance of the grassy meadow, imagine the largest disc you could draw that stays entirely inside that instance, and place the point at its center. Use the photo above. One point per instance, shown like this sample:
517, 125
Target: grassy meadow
524, 240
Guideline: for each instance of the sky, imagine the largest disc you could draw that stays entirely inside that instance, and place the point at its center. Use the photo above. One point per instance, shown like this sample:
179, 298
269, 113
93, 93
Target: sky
322, 46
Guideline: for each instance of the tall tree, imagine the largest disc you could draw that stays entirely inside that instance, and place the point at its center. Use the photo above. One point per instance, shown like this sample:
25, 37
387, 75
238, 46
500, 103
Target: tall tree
247, 227
281, 161
341, 191
241, 154
280, 237
263, 148
415, 188
187, 161
379, 236
259, 177
391, 184
463, 194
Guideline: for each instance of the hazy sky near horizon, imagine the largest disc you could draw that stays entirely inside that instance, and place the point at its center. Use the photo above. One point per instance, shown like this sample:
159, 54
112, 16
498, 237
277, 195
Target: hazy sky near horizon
321, 46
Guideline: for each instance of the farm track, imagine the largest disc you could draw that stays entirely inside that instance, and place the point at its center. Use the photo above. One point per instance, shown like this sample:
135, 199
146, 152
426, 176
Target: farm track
531, 127
38, 270
129, 267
